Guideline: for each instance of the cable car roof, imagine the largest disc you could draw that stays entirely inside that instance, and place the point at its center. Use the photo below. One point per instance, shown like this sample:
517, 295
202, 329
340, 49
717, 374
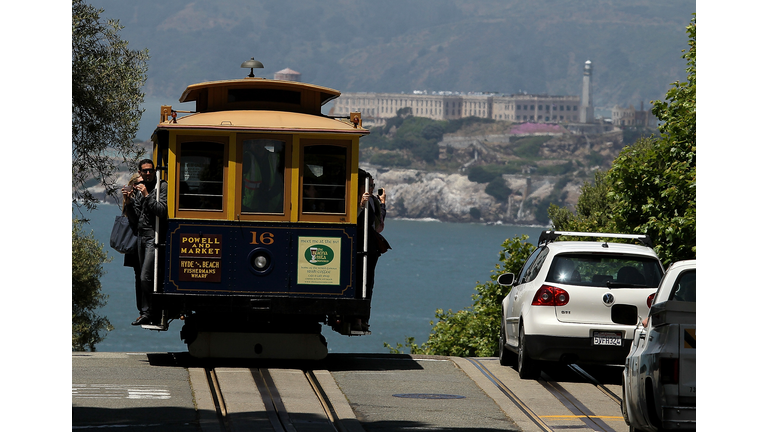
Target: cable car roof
262, 121
258, 93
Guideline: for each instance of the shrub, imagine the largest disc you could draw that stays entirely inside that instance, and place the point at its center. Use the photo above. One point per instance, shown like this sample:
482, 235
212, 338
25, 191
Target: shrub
528, 147
481, 174
498, 189
427, 151
88, 257
556, 170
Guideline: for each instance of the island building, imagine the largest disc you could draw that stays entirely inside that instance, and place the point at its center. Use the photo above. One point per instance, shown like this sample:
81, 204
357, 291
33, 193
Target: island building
376, 108
288, 75
573, 112
587, 110
633, 117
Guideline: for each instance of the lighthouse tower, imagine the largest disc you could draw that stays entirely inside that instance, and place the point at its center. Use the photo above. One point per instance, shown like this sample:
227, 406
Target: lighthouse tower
586, 110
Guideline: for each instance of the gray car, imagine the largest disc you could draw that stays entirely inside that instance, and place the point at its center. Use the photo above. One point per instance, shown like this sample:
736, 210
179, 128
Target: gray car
659, 380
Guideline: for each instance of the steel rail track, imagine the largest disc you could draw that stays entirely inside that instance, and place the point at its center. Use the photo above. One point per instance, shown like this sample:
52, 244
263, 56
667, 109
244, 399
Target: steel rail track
276, 412
218, 399
565, 397
581, 372
538, 421
576, 407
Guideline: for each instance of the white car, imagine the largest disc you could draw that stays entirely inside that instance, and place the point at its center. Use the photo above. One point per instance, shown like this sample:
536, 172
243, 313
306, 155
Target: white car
659, 381
559, 308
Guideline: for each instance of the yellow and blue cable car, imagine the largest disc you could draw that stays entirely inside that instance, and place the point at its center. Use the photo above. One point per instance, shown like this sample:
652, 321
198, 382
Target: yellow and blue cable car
261, 243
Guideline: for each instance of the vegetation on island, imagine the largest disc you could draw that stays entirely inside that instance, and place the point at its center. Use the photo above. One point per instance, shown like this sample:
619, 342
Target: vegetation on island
649, 189
107, 79
408, 141
485, 150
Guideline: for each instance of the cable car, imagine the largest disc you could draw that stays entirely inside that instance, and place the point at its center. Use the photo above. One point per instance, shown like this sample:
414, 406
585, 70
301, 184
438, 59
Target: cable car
261, 245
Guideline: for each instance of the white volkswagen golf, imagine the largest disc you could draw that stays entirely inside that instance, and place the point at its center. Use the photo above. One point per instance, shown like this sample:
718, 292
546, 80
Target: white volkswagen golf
559, 308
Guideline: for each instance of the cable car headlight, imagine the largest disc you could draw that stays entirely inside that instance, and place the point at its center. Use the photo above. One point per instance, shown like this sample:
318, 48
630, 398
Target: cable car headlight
260, 261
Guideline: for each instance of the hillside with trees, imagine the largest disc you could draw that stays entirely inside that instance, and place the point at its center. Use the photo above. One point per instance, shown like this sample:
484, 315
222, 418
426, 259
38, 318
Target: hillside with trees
107, 79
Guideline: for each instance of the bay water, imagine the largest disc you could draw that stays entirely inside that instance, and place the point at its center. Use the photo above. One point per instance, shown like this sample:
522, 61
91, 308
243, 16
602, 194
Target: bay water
432, 265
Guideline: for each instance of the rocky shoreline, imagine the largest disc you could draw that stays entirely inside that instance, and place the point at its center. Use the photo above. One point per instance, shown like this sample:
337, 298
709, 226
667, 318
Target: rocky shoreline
414, 194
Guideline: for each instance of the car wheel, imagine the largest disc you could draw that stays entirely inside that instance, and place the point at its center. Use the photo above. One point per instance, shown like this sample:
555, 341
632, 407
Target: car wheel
653, 417
506, 357
527, 368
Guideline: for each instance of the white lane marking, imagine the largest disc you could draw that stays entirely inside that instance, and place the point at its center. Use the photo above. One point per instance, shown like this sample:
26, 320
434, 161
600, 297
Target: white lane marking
119, 391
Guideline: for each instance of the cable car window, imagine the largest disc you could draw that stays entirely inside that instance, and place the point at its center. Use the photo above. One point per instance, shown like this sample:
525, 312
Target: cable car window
325, 173
201, 176
263, 176
264, 95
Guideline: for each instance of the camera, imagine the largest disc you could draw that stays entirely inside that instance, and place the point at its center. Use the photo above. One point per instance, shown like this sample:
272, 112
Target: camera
381, 192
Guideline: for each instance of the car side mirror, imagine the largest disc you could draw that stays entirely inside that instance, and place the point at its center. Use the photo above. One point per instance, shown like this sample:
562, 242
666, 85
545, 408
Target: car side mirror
624, 314
507, 279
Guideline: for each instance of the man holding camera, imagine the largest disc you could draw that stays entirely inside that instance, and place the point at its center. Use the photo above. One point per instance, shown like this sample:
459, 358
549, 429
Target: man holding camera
147, 206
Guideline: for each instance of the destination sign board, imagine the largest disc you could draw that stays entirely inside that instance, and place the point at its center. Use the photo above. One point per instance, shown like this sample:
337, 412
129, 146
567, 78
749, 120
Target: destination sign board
200, 258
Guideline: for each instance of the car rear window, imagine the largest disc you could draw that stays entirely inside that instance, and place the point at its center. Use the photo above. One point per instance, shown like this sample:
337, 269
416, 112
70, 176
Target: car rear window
601, 270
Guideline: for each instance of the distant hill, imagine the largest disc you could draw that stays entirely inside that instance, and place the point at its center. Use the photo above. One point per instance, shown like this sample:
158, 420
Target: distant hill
507, 46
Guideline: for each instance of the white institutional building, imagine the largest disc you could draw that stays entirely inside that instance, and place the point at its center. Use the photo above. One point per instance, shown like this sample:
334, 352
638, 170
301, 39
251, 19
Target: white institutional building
574, 112
376, 108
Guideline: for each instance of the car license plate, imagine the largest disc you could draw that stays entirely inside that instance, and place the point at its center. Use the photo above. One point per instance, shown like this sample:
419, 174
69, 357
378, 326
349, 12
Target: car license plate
606, 338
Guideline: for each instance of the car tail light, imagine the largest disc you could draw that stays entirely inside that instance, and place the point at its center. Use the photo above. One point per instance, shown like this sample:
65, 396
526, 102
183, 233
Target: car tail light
650, 299
669, 370
550, 296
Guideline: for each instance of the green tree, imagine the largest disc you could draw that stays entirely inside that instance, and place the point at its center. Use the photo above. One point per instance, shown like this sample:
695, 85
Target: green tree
474, 331
88, 257
593, 209
498, 189
428, 151
482, 174
107, 78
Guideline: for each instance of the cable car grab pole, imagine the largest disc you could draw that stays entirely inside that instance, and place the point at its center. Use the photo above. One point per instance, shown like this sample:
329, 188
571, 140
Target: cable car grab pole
365, 244
157, 223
